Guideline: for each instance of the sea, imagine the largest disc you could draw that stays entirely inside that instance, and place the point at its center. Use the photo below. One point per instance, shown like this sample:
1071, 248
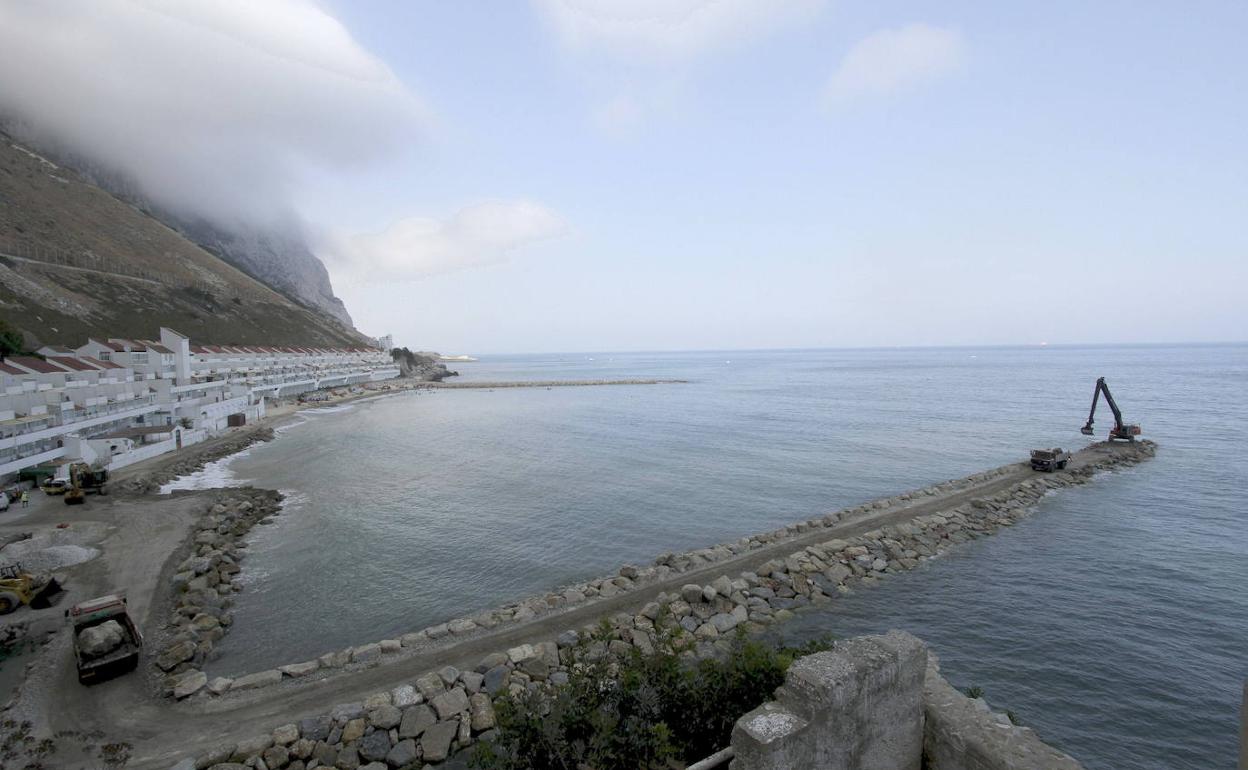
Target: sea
1114, 621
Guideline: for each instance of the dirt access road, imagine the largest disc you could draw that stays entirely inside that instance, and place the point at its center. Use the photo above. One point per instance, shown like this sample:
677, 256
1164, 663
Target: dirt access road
162, 732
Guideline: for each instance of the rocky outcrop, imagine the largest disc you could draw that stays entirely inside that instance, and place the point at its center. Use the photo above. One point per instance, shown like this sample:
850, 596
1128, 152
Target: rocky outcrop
421, 366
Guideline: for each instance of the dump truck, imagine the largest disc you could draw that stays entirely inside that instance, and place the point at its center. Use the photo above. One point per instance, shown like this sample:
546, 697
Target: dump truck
106, 640
36, 590
1049, 460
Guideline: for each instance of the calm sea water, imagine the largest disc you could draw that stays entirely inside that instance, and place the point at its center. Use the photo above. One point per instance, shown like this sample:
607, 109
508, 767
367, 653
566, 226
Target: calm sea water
1114, 621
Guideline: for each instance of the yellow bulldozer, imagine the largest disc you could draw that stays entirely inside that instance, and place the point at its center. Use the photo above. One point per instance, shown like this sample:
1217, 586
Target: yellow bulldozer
83, 479
18, 587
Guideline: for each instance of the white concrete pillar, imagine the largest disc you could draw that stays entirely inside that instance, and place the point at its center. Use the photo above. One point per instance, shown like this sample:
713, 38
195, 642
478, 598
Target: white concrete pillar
181, 347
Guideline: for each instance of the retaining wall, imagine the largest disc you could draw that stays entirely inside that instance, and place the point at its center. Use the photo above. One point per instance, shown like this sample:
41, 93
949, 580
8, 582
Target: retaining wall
148, 451
961, 733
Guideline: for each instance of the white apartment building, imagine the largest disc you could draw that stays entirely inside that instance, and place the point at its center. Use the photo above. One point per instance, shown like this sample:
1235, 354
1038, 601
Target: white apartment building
118, 401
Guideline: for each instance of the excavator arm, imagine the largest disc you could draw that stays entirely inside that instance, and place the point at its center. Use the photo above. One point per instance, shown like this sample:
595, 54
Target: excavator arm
1101, 387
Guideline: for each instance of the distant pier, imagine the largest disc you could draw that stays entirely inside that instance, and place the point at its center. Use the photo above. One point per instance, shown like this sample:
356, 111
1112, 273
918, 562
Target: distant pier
549, 383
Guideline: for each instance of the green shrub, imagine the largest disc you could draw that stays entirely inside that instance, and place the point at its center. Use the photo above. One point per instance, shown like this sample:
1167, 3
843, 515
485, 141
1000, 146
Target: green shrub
10, 339
639, 710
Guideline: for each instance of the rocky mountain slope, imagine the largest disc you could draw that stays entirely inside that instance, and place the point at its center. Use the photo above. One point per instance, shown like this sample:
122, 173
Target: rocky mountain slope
76, 261
279, 259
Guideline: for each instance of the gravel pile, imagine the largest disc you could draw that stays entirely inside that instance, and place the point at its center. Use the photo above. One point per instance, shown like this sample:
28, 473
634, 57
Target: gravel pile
49, 558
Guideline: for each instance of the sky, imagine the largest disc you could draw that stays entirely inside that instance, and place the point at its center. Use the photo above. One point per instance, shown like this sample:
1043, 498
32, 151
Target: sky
585, 175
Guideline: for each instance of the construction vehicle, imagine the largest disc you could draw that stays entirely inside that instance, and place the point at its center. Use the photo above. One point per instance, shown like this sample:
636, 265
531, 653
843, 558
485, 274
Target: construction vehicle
18, 587
1120, 431
55, 486
83, 479
106, 640
1049, 460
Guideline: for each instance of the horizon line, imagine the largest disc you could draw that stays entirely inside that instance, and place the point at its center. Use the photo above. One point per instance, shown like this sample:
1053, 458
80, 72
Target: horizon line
999, 346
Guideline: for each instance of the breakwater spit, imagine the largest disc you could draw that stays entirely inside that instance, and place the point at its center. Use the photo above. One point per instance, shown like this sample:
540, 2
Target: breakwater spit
429, 692
548, 384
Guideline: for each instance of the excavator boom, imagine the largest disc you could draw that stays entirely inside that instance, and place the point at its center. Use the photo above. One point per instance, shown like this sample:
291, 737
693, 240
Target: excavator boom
1128, 432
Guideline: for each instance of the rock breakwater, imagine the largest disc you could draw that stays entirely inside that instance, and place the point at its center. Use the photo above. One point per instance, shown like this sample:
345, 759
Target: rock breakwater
548, 384
443, 711
203, 587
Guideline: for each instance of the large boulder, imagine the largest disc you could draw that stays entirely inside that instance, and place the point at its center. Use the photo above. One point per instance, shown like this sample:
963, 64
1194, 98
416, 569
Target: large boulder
724, 622
296, 670
173, 654
99, 640
430, 685
402, 754
496, 679
482, 711
316, 728
258, 679
450, 703
375, 746
436, 742
188, 683
416, 720
384, 717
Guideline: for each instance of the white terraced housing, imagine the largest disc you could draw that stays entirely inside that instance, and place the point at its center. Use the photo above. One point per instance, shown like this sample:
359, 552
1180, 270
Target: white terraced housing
117, 401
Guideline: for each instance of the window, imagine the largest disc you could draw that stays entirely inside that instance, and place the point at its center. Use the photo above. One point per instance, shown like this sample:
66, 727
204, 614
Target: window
105, 355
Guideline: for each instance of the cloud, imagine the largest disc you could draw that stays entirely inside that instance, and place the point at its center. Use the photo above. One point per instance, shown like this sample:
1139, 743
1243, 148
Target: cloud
419, 247
667, 29
216, 108
895, 59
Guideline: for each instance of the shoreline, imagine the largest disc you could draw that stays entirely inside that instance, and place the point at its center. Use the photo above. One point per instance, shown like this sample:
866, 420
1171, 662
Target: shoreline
139, 477
193, 459
779, 572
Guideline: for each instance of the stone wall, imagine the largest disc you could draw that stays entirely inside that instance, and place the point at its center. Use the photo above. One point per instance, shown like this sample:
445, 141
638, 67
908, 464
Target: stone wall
880, 703
961, 733
858, 705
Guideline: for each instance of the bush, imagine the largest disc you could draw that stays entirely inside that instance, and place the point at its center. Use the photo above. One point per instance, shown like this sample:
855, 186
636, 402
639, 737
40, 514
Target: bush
10, 339
637, 710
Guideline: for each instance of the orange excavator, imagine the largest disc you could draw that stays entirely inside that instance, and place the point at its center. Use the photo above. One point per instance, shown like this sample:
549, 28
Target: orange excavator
1120, 431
